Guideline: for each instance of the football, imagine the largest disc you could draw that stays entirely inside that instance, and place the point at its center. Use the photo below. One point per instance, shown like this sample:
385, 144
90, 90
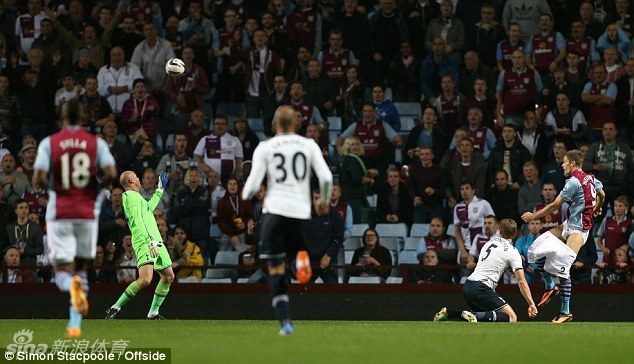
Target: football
175, 67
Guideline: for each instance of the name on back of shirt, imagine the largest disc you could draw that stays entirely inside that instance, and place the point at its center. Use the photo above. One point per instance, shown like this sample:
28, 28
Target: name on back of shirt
73, 143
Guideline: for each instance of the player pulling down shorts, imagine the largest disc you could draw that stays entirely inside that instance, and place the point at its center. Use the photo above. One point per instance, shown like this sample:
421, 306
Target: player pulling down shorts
559, 256
70, 239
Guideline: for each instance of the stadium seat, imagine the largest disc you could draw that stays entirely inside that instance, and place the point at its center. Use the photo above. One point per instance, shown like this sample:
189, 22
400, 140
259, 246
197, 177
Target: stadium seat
372, 200
391, 242
411, 243
411, 109
408, 123
352, 243
216, 280
243, 280
364, 280
169, 144
256, 124
358, 229
319, 280
332, 137
407, 257
261, 135
348, 254
224, 258
451, 230
394, 280
334, 123
231, 109
398, 230
419, 230
188, 280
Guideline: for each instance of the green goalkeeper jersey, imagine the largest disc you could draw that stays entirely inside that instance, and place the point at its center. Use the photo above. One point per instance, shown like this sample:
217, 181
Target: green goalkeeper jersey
140, 216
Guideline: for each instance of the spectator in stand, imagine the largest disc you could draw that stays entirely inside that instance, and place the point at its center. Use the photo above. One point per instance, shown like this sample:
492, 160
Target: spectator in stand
509, 154
249, 258
103, 17
503, 197
565, 123
112, 221
622, 16
325, 238
299, 70
436, 65
335, 59
526, 15
546, 49
27, 159
582, 44
394, 204
484, 100
188, 254
197, 33
150, 56
37, 199
450, 29
319, 91
625, 97
523, 243
102, 272
426, 133
116, 79
278, 97
220, 151
28, 27
529, 194
343, 209
191, 210
437, 240
173, 35
615, 37
614, 231
484, 37
483, 137
128, 258
593, 28
9, 114
621, 274
140, 110
385, 109
83, 67
25, 235
472, 71
276, 37
355, 181
15, 184
469, 168
355, 28
561, 83
468, 218
228, 44
216, 192
118, 148
312, 132
448, 105
612, 65
233, 216
148, 186
376, 137
309, 113
303, 27
426, 187
50, 43
261, 65
556, 217
247, 137
195, 131
612, 162
35, 119
97, 109
178, 161
490, 229
517, 90
371, 256
388, 29
533, 139
12, 263
126, 36
430, 273
350, 97
404, 75
67, 92
552, 171
506, 47
418, 14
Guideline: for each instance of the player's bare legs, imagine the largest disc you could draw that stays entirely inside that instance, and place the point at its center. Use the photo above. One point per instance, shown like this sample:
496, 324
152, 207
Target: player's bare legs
508, 310
76, 283
279, 297
145, 278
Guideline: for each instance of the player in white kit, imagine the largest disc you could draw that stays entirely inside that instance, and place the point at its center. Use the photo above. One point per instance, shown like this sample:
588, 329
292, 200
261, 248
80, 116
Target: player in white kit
286, 160
486, 305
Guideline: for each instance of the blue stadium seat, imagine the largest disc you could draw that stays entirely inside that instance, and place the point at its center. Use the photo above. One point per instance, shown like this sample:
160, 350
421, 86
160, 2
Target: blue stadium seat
256, 124
332, 137
216, 280
419, 230
408, 109
169, 144
358, 229
334, 123
348, 254
397, 230
407, 257
352, 243
261, 135
224, 258
451, 230
408, 123
364, 280
394, 280
411, 243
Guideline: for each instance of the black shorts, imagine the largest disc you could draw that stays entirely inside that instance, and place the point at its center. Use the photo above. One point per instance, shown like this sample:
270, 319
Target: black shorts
279, 236
481, 297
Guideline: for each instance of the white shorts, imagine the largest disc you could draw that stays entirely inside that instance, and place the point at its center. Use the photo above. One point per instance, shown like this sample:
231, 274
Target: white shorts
567, 230
559, 256
70, 239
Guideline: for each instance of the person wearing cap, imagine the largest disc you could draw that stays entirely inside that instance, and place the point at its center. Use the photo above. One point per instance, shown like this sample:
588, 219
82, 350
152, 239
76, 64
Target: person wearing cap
15, 274
83, 67
14, 183
27, 156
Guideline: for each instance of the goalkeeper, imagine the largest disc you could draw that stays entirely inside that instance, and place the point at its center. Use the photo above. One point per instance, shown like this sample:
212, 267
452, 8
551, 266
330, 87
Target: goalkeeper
151, 254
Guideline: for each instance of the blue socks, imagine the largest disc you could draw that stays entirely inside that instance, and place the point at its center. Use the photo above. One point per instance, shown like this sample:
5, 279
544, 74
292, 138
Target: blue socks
566, 291
63, 280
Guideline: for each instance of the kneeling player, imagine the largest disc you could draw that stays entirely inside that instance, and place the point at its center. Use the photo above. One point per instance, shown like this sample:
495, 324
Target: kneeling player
496, 256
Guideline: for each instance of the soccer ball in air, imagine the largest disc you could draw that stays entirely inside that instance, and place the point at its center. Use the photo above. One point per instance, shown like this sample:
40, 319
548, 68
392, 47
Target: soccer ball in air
175, 67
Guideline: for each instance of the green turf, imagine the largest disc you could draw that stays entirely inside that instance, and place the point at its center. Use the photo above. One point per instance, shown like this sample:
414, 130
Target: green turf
356, 342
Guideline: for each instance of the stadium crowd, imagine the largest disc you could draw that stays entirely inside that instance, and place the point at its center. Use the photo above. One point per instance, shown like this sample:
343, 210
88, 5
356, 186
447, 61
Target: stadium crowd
436, 117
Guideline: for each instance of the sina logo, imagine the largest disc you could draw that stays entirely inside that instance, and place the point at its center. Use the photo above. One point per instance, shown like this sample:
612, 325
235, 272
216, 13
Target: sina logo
523, 12
22, 343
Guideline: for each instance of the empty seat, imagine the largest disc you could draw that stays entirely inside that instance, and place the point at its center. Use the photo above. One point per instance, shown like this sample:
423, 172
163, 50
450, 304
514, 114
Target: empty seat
216, 280
451, 230
224, 258
334, 123
408, 123
408, 109
358, 229
188, 280
419, 230
408, 257
348, 254
391, 242
352, 243
256, 124
411, 243
398, 230
394, 280
364, 280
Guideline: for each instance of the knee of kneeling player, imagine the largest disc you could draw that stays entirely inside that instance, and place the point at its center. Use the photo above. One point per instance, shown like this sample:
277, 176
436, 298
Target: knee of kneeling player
512, 317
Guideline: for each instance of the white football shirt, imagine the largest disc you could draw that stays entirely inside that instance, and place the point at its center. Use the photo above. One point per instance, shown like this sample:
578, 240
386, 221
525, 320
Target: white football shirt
495, 257
286, 160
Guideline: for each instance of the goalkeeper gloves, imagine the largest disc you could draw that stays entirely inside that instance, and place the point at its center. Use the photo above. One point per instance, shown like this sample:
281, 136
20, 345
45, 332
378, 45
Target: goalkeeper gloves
154, 248
164, 179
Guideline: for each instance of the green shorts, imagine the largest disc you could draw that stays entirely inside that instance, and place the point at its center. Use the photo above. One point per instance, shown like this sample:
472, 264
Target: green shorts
161, 262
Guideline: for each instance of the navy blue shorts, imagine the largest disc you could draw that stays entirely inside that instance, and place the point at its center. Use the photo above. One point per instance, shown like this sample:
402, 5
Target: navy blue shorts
481, 297
281, 236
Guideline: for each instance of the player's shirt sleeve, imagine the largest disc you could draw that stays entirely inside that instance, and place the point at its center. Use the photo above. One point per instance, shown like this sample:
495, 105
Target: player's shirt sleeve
516, 260
156, 199
43, 158
104, 157
598, 184
322, 170
258, 171
572, 185
601, 231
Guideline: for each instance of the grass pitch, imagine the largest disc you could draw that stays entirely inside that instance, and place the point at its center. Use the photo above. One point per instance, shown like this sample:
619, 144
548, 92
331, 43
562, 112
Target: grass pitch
199, 341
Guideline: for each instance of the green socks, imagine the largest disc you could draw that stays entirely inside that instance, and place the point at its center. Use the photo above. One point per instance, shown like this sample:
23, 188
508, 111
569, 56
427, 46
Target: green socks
127, 295
159, 296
